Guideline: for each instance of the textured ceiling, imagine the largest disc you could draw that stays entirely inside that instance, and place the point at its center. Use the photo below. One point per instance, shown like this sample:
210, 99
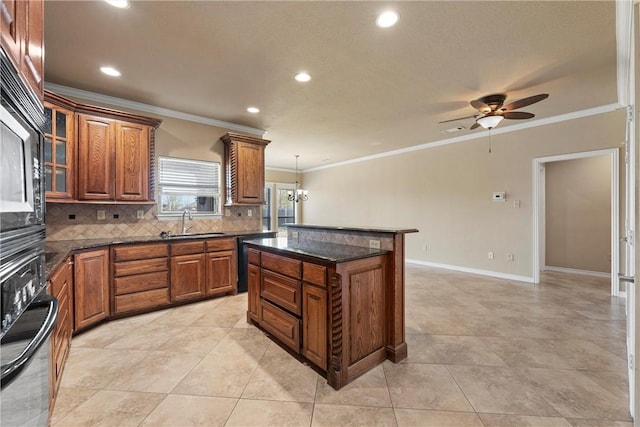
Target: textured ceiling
373, 90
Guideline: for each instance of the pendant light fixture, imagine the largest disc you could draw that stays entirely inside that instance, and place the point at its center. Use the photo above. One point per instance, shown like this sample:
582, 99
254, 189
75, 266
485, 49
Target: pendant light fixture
298, 195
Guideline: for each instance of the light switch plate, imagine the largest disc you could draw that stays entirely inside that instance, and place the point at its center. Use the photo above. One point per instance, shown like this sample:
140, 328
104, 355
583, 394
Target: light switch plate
140, 214
100, 214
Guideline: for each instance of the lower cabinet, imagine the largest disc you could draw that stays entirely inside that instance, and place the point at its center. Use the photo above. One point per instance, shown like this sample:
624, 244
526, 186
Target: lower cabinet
253, 285
140, 277
288, 299
61, 287
221, 272
314, 321
91, 287
187, 277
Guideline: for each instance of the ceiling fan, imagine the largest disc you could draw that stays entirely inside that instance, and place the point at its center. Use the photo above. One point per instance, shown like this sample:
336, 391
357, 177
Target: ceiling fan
491, 110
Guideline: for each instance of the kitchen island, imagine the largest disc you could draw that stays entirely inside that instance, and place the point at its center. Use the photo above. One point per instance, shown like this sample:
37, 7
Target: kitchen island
337, 306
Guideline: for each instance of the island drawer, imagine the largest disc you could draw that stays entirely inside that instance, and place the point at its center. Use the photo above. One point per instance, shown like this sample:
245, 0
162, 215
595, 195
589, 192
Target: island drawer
131, 252
221, 244
315, 274
141, 300
281, 324
287, 266
254, 257
141, 282
128, 268
282, 291
187, 248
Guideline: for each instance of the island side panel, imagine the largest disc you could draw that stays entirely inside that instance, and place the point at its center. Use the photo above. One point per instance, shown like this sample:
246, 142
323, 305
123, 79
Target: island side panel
397, 346
358, 319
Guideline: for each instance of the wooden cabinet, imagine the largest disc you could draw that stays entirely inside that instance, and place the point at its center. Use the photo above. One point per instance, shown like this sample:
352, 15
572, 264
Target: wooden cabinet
91, 287
108, 156
59, 152
336, 315
132, 162
61, 287
188, 270
140, 277
21, 35
253, 284
113, 159
244, 163
200, 268
187, 277
314, 321
96, 144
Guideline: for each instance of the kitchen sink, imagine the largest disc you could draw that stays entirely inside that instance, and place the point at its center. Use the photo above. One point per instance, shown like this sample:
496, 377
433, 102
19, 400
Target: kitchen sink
166, 235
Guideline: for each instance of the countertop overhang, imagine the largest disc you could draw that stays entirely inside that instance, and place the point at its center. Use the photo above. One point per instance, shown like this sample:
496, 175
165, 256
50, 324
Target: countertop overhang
324, 251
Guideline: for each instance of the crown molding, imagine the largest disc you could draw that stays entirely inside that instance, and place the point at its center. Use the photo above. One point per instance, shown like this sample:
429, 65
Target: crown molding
138, 106
476, 135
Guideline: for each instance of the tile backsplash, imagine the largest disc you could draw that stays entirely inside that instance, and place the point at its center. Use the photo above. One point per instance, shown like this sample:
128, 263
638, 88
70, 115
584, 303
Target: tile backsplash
79, 221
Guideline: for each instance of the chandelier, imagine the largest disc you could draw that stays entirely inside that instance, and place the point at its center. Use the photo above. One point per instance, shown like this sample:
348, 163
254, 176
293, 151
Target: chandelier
298, 195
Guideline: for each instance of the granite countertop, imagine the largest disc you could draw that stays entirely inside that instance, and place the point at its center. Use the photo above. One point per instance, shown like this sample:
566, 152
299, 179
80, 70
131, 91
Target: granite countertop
361, 229
322, 250
57, 251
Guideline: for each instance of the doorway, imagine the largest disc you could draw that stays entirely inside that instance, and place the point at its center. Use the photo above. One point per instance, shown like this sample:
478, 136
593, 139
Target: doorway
539, 226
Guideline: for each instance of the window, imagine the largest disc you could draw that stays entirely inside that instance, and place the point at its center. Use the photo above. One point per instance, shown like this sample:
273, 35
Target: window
278, 210
188, 184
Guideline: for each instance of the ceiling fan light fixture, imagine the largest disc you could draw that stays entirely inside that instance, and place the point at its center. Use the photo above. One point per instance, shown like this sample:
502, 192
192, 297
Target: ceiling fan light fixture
489, 122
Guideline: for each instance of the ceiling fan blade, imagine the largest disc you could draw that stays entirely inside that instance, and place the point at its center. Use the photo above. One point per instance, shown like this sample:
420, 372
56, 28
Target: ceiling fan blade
518, 115
459, 118
474, 126
480, 106
524, 102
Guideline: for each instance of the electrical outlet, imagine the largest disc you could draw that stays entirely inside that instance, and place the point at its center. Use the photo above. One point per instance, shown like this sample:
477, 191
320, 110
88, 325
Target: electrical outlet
516, 203
374, 244
490, 255
227, 212
509, 256
140, 214
100, 214
249, 212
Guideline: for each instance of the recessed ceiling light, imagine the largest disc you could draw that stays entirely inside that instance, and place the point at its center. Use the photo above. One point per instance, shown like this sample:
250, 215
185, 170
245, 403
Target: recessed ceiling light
303, 77
253, 110
120, 4
387, 19
110, 71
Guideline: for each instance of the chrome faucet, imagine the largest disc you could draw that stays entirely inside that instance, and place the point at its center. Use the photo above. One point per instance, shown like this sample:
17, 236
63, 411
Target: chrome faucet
185, 229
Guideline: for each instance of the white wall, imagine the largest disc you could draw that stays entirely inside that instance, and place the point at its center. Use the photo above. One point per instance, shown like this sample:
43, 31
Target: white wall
445, 192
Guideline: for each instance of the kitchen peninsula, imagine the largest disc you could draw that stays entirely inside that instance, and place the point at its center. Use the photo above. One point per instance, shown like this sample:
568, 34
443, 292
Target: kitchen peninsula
332, 296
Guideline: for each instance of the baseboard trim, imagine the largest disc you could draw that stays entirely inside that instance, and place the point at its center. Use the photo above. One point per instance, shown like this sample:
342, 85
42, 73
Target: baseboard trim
478, 271
576, 271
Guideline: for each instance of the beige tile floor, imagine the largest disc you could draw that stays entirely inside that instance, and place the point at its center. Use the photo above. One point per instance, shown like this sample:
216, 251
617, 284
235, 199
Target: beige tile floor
482, 352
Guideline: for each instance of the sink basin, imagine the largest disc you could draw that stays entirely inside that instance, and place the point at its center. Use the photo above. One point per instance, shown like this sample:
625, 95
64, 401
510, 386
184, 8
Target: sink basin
166, 235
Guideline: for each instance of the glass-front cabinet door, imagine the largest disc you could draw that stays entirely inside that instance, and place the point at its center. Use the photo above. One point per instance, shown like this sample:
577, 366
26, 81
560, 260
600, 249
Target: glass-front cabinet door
58, 152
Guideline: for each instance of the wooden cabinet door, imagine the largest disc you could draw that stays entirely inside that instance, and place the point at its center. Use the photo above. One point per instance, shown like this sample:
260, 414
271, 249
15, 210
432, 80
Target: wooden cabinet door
250, 173
32, 65
221, 272
253, 285
62, 289
314, 325
91, 287
96, 149
12, 21
132, 162
59, 152
187, 277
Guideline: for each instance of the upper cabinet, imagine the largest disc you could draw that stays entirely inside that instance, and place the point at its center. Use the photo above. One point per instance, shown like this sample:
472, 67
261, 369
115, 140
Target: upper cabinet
244, 159
21, 35
59, 149
105, 156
